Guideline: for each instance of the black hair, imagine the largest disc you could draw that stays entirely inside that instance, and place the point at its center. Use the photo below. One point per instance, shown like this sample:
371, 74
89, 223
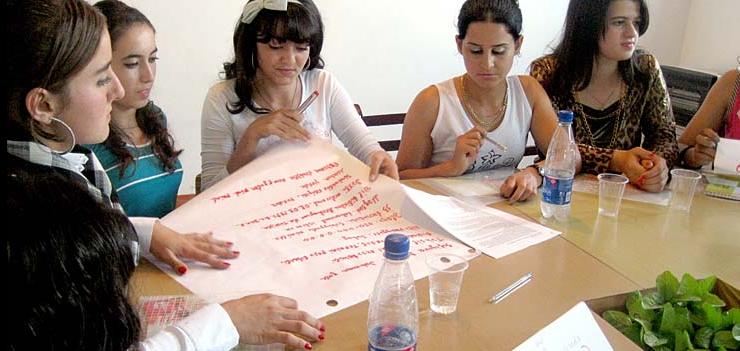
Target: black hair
150, 118
301, 23
585, 25
69, 260
506, 12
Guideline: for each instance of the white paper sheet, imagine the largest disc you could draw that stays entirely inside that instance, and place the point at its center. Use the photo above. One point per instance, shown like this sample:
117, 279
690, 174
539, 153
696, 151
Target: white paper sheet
493, 232
479, 187
576, 330
587, 183
309, 226
727, 158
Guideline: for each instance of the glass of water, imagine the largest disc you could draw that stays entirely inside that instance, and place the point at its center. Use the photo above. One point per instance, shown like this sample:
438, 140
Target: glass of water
445, 281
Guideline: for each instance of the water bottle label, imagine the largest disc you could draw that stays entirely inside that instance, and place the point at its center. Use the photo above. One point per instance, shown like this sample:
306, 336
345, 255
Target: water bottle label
557, 191
391, 338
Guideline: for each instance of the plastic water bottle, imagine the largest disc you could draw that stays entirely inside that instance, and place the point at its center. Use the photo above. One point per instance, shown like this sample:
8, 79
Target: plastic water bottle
559, 170
393, 317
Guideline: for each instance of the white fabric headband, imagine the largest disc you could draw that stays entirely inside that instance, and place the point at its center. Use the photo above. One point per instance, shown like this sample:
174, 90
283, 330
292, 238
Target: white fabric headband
253, 8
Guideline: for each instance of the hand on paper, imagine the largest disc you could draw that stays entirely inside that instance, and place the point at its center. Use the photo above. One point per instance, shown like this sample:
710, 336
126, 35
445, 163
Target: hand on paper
466, 150
382, 163
704, 148
285, 124
521, 185
169, 246
265, 319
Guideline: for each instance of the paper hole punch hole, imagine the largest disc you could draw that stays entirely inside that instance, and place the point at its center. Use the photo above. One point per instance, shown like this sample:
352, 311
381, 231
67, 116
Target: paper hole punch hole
332, 303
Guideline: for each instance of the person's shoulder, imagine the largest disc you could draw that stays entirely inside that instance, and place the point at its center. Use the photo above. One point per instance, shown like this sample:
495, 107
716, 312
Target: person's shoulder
222, 87
546, 62
646, 62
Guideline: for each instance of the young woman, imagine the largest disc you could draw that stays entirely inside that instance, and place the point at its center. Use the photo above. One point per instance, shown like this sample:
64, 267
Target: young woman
719, 115
277, 65
461, 124
61, 87
623, 122
139, 155
70, 281
60, 90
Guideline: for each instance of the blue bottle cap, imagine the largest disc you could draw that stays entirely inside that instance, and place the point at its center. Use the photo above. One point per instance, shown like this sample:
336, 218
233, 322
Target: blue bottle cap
565, 116
397, 247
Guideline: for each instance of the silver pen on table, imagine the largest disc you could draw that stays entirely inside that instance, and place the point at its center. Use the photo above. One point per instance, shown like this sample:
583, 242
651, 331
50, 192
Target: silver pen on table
310, 99
511, 288
494, 142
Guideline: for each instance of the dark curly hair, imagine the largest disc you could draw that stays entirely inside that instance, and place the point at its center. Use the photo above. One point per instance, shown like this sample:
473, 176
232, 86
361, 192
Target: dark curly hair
299, 24
506, 12
68, 266
150, 118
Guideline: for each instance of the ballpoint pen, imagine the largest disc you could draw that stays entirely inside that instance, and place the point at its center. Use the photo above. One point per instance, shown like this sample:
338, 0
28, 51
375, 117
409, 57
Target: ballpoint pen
494, 142
511, 288
310, 99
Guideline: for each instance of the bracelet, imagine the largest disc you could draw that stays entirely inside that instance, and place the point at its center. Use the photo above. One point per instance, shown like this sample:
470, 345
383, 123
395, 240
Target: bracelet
682, 158
539, 171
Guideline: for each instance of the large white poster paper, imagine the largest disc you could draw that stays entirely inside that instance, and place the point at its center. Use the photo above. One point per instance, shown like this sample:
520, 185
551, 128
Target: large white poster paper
309, 226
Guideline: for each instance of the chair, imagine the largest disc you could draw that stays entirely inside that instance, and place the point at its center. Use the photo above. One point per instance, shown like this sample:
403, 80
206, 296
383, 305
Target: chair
384, 120
687, 90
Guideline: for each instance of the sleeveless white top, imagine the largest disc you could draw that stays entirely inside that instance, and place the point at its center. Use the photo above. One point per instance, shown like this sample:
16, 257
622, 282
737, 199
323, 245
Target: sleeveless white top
452, 121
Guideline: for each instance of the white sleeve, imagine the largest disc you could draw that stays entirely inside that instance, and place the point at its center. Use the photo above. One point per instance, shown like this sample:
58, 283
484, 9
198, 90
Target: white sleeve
216, 139
347, 124
144, 227
208, 329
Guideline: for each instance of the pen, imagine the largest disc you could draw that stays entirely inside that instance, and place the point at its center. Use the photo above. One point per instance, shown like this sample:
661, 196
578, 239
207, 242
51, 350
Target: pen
310, 99
494, 142
511, 288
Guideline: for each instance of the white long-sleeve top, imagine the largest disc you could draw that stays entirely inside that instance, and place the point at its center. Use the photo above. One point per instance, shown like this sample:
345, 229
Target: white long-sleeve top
333, 110
208, 329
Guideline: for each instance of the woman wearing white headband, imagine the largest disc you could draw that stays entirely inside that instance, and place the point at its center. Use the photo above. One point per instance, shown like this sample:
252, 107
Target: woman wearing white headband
277, 64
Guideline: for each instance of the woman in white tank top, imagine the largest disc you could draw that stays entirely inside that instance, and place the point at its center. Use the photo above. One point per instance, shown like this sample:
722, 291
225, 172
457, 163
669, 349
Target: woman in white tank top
480, 120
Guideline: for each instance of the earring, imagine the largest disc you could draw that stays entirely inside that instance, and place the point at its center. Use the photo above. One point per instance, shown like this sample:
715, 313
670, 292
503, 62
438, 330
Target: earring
308, 64
60, 141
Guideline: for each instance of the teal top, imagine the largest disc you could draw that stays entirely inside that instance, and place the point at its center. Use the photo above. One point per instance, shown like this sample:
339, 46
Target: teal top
146, 188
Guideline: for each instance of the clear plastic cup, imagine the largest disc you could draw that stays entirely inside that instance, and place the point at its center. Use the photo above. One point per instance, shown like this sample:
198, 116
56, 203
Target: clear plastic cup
683, 185
445, 281
611, 190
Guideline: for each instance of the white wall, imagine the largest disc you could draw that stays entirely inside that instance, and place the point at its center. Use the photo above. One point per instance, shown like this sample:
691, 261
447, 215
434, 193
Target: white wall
383, 52
712, 38
697, 34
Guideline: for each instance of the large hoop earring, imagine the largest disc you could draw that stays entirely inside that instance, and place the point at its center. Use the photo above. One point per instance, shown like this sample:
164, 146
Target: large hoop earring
308, 64
67, 141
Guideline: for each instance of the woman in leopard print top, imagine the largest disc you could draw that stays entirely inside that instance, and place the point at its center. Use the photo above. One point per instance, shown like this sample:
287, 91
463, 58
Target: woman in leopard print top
623, 121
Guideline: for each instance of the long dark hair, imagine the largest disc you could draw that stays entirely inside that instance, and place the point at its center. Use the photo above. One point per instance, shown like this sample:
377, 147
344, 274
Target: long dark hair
150, 118
69, 266
585, 25
48, 42
299, 24
506, 12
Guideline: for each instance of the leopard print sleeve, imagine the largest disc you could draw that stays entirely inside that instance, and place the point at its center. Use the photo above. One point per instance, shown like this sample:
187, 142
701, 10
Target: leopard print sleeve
595, 160
541, 69
657, 122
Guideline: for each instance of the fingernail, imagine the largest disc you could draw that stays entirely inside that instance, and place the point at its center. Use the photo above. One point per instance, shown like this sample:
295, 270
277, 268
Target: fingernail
236, 252
226, 263
307, 346
229, 243
321, 336
322, 328
182, 270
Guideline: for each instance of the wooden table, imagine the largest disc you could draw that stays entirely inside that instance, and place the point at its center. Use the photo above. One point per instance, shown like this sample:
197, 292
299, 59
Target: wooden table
594, 257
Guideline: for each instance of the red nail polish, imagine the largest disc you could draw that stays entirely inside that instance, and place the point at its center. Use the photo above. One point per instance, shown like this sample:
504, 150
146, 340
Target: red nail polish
226, 263
182, 270
307, 346
235, 252
321, 336
322, 328
229, 243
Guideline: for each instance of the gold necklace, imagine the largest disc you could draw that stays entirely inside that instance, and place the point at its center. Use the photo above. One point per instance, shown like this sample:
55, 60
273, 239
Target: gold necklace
487, 124
269, 103
578, 110
602, 103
